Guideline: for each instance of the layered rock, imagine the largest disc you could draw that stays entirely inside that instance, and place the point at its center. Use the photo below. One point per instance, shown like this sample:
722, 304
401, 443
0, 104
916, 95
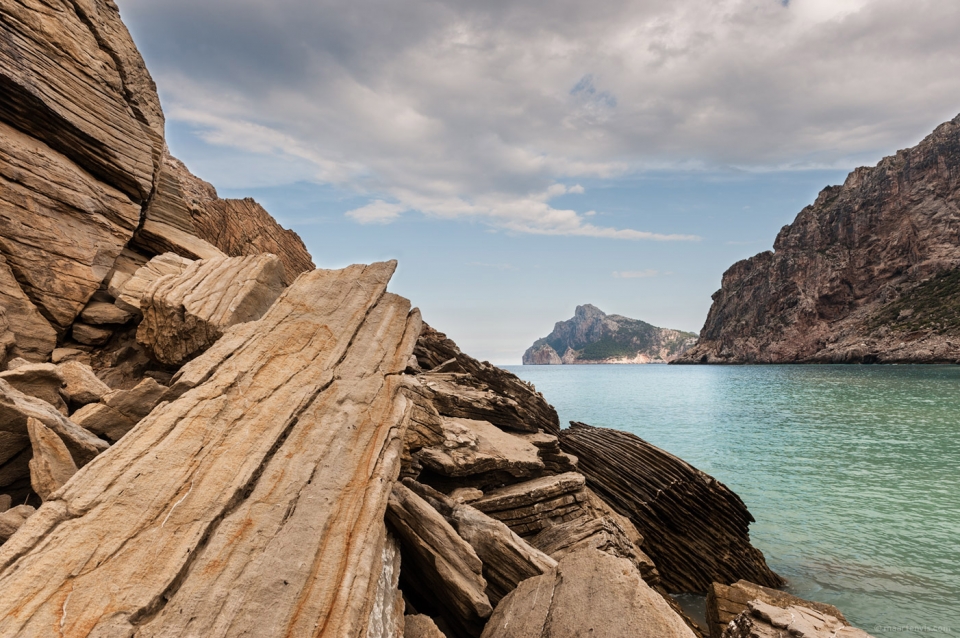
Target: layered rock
33, 338
695, 529
51, 466
725, 603
768, 621
593, 336
867, 273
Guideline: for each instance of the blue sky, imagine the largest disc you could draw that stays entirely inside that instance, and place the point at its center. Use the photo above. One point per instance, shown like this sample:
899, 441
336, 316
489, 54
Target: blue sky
521, 158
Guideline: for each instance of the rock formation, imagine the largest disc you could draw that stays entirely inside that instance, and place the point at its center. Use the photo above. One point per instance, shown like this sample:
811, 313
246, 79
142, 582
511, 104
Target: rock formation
768, 621
867, 273
725, 603
593, 336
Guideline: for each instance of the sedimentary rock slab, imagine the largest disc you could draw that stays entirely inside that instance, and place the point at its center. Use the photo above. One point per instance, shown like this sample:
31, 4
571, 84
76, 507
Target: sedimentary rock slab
99, 313
695, 528
474, 447
13, 519
184, 314
768, 621
81, 385
34, 337
532, 506
253, 504
420, 626
41, 380
724, 603
589, 593
129, 292
51, 466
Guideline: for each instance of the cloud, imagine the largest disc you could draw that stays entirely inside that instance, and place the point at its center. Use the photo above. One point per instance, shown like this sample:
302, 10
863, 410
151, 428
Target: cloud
636, 274
378, 212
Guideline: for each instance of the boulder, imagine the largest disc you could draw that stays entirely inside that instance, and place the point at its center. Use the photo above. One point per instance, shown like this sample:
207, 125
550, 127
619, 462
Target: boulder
103, 421
61, 355
532, 506
694, 527
589, 593
51, 466
81, 385
137, 402
90, 335
40, 380
129, 293
424, 430
184, 314
475, 447
724, 603
761, 620
99, 313
254, 503
420, 626
33, 336
13, 519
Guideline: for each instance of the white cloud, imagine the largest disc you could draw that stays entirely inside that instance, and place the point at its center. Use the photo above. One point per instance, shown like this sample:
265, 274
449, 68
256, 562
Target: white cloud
636, 274
378, 212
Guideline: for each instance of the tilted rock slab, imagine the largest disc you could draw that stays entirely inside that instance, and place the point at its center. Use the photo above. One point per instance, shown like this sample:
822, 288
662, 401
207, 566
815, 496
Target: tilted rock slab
532, 506
252, 505
51, 466
694, 527
724, 603
185, 314
33, 336
761, 620
474, 447
130, 290
40, 380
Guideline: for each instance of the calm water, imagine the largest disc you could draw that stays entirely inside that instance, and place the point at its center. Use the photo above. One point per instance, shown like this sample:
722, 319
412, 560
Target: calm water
850, 471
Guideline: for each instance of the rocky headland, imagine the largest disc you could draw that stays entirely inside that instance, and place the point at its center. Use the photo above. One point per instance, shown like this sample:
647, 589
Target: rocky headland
204, 435
593, 336
867, 274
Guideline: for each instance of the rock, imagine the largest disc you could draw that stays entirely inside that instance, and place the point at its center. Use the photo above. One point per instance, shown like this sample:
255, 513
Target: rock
767, 621
128, 295
17, 362
541, 354
33, 336
252, 504
462, 395
695, 529
184, 314
81, 385
465, 494
532, 506
61, 355
138, 402
160, 238
51, 466
15, 469
13, 519
103, 421
439, 567
41, 380
99, 313
16, 407
840, 277
386, 616
589, 593
124, 268
554, 459
476, 447
90, 335
5, 502
724, 603
420, 626
424, 430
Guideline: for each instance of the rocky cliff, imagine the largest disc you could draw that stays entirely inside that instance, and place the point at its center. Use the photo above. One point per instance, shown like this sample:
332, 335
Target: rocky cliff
593, 336
868, 273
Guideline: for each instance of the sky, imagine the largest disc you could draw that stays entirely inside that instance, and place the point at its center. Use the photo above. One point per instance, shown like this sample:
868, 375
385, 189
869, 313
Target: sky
522, 158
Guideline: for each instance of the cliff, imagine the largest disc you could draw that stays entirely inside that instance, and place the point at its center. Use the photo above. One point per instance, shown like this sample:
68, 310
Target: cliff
593, 336
868, 273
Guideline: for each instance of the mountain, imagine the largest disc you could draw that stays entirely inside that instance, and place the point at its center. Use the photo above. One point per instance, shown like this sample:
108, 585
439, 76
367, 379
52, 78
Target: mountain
868, 273
593, 336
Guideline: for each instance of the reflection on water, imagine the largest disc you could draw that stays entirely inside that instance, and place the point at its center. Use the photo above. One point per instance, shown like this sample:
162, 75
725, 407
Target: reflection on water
850, 471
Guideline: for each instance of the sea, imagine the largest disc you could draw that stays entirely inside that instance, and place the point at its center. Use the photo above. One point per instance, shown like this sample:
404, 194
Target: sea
851, 472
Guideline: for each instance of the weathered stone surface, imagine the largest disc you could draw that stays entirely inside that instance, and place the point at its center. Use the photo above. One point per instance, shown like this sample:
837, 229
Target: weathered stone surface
125, 266
386, 614
474, 447
90, 335
51, 466
532, 506
81, 385
555, 461
16, 407
465, 495
421, 626
61, 355
439, 567
589, 593
184, 314
137, 402
103, 421
768, 621
695, 528
100, 313
724, 603
853, 278
425, 429
301, 408
13, 519
41, 380
33, 336
129, 293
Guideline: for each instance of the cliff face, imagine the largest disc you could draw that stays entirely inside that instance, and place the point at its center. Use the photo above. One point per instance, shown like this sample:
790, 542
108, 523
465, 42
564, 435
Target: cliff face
593, 336
865, 274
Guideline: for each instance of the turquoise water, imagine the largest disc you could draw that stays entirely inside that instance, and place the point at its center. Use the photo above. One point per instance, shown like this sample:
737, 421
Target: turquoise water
850, 471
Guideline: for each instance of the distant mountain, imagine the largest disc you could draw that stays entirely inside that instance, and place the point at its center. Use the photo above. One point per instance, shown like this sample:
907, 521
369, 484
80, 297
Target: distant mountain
593, 336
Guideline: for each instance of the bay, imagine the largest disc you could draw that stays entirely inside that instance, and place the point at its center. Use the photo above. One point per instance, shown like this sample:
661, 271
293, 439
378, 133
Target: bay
850, 471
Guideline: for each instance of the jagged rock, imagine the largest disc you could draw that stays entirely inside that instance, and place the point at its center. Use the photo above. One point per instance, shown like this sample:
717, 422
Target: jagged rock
16, 407
530, 507
33, 336
300, 408
41, 380
695, 528
767, 621
90, 335
120, 410
462, 395
81, 385
554, 459
439, 567
129, 293
13, 519
6, 502
589, 593
424, 430
475, 447
51, 466
99, 313
184, 314
724, 603
421, 626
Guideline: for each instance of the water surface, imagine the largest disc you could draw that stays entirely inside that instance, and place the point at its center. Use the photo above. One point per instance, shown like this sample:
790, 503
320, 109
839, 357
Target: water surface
850, 471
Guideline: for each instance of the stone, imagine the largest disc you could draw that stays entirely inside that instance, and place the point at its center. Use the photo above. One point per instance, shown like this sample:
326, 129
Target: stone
5, 502
555, 460
386, 616
17, 362
185, 314
589, 593
16, 407
420, 626
90, 335
159, 238
41, 380
15, 469
253, 503
33, 338
124, 268
51, 466
465, 494
463, 396
424, 430
99, 313
103, 421
61, 355
761, 620
129, 293
532, 506
475, 447
694, 527
137, 402
724, 603
13, 519
81, 385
